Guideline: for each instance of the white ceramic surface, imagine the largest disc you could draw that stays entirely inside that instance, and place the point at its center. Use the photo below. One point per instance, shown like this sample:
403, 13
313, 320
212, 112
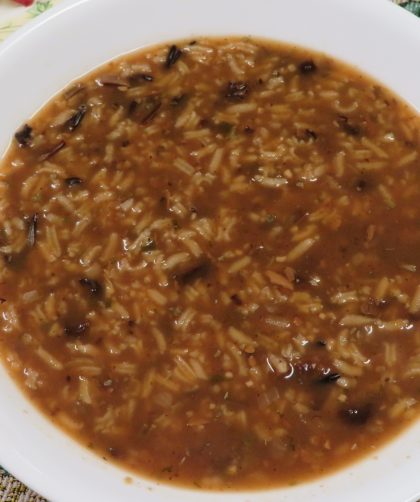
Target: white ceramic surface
374, 35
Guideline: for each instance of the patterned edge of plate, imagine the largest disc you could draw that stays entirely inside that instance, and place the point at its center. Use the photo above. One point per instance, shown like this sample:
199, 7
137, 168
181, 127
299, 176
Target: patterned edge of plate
37, 8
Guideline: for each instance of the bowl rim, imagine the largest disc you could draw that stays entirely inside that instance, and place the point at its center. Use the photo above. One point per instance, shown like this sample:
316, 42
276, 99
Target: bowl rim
19, 459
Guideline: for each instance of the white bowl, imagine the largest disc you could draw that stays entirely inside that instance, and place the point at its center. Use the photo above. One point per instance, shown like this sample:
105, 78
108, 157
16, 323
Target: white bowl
376, 36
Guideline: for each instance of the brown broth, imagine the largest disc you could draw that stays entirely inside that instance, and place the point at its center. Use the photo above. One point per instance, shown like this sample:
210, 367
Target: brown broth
210, 267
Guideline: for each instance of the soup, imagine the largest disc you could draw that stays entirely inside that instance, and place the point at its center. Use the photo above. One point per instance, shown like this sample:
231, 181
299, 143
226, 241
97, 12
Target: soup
210, 267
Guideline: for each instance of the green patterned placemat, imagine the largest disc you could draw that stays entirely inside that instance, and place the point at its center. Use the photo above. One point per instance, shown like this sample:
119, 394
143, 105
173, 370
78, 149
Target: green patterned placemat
412, 6
11, 490
6, 29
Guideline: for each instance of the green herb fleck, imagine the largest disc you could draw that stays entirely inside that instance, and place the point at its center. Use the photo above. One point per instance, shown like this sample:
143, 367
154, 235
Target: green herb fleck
40, 7
37, 197
248, 441
225, 128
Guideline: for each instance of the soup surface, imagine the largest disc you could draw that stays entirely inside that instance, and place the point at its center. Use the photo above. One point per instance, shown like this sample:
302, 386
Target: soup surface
210, 263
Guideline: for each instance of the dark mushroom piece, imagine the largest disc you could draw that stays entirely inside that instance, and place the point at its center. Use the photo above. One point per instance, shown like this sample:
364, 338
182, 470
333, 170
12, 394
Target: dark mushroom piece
149, 245
77, 329
32, 230
329, 378
76, 119
361, 185
310, 134
356, 415
55, 149
17, 259
178, 100
236, 90
111, 81
153, 109
236, 299
193, 273
73, 181
174, 53
145, 109
92, 286
307, 67
348, 127
24, 135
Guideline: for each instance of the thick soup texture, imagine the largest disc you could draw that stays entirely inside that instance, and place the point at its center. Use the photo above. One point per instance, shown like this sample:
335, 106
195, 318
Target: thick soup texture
210, 260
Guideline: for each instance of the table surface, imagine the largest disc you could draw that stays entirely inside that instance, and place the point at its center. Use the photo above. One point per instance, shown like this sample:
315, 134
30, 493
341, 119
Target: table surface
12, 17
